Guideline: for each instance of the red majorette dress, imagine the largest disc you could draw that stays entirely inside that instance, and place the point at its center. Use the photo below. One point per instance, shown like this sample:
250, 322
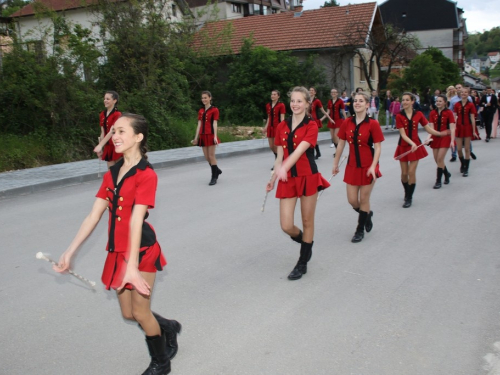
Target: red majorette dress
411, 129
274, 115
464, 124
360, 138
441, 121
336, 113
207, 118
316, 113
303, 177
138, 186
106, 122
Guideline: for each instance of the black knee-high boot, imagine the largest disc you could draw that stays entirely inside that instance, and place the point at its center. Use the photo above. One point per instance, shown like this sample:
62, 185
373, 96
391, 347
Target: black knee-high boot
462, 164
360, 229
437, 185
160, 364
408, 201
318, 153
301, 266
405, 186
171, 328
369, 222
466, 167
447, 176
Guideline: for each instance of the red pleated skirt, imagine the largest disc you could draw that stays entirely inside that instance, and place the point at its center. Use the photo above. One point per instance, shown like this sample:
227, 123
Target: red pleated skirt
109, 154
205, 140
441, 142
151, 259
420, 153
301, 186
337, 124
270, 132
463, 131
357, 176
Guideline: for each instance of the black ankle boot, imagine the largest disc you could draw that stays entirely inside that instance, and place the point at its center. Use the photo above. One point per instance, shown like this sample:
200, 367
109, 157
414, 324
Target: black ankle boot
301, 267
466, 167
160, 364
215, 175
171, 328
447, 176
369, 222
360, 229
462, 164
408, 200
298, 238
437, 185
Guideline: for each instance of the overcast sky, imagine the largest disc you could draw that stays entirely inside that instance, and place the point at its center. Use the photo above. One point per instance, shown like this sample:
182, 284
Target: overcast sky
480, 14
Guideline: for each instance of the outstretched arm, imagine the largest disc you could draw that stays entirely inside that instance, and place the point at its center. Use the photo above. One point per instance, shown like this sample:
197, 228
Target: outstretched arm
88, 225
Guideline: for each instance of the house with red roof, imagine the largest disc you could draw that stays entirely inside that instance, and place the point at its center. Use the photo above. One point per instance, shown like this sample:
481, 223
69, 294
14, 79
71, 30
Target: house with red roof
35, 27
494, 56
329, 32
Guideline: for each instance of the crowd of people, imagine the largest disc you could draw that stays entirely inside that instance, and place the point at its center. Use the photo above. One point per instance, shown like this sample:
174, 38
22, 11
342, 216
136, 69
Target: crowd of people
129, 187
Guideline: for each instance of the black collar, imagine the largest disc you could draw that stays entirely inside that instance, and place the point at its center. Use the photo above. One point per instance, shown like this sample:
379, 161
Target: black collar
115, 169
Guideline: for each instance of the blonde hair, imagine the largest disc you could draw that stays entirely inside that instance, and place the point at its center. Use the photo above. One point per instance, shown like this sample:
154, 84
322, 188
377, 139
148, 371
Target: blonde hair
303, 90
364, 94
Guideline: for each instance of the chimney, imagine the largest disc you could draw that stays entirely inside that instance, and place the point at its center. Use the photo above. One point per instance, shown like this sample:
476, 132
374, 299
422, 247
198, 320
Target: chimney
298, 8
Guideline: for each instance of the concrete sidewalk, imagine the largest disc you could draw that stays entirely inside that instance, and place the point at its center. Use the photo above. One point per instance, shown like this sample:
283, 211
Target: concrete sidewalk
32, 180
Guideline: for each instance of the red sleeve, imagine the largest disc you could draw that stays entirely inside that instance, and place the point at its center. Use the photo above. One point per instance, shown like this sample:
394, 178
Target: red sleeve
200, 114
456, 107
101, 119
106, 181
318, 103
432, 117
282, 109
376, 132
341, 134
472, 108
311, 134
400, 121
215, 115
277, 137
451, 116
330, 106
341, 105
422, 120
145, 192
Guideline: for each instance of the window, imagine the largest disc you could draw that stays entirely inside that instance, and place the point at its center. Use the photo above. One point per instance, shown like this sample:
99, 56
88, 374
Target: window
236, 8
174, 10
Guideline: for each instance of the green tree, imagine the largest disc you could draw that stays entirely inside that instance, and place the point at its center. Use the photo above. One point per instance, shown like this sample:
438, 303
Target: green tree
330, 3
257, 70
13, 6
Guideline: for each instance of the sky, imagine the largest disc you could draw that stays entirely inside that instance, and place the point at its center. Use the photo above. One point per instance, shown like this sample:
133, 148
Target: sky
481, 15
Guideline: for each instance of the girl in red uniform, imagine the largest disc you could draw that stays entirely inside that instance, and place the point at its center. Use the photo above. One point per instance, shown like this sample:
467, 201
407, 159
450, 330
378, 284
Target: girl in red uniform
364, 136
275, 114
336, 110
465, 112
128, 191
206, 133
105, 149
407, 122
442, 119
298, 175
316, 110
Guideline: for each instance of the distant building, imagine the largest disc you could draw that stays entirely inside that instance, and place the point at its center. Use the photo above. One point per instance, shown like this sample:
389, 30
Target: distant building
494, 56
436, 23
205, 10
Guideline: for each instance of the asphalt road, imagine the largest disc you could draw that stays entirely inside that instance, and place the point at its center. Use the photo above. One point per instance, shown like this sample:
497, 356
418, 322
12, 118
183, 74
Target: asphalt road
418, 296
